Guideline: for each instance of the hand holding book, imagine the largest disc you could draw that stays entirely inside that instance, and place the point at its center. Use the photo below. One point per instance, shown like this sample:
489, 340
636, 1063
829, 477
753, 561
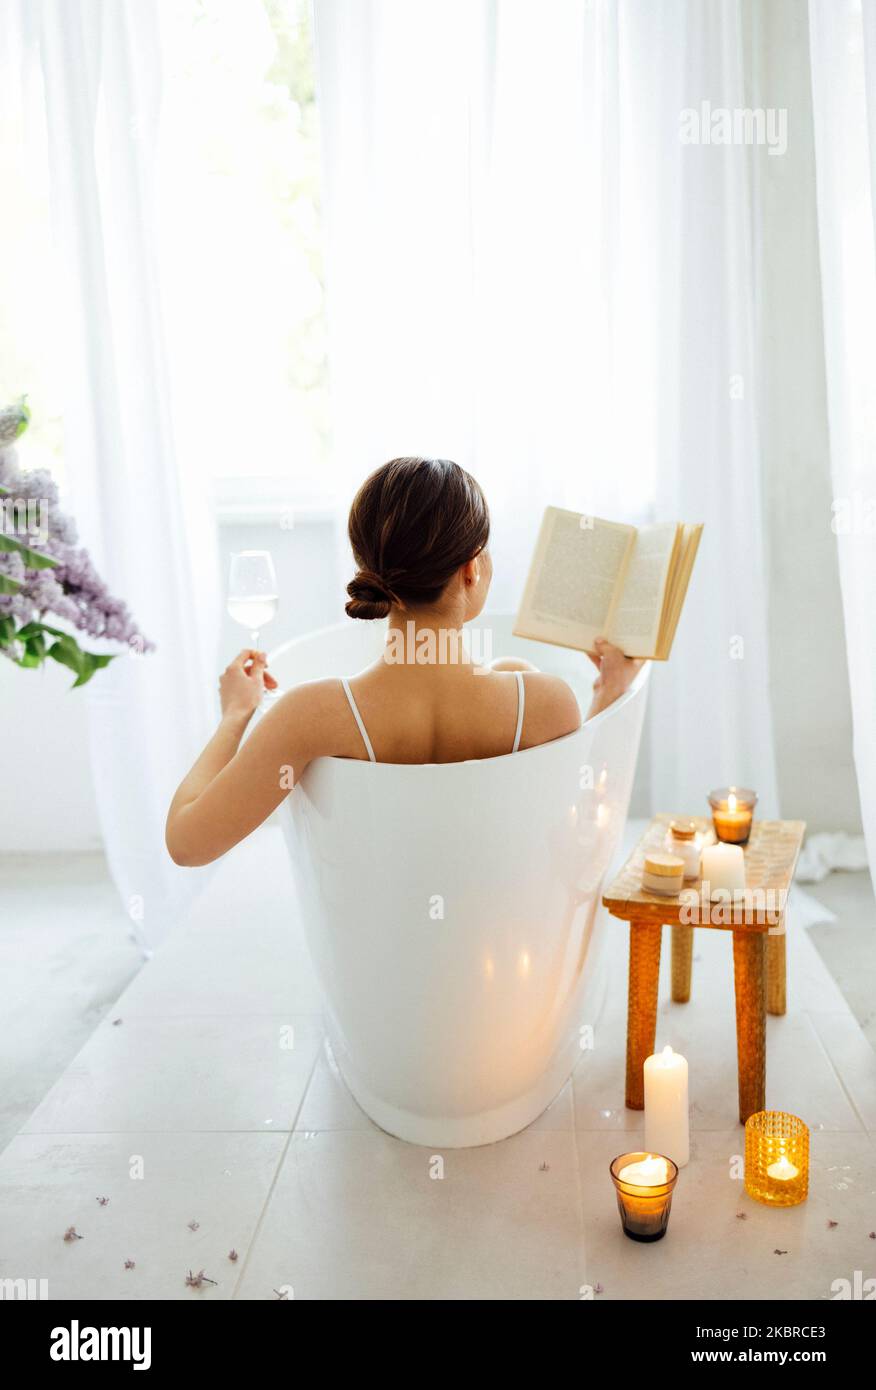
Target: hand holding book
591, 578
615, 673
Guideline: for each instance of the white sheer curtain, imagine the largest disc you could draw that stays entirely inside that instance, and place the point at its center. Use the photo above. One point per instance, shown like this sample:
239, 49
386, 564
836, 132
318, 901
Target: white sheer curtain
142, 515
528, 271
843, 57
474, 238
710, 711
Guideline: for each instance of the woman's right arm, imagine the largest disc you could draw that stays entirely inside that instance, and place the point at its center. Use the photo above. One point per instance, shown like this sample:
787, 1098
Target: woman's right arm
233, 787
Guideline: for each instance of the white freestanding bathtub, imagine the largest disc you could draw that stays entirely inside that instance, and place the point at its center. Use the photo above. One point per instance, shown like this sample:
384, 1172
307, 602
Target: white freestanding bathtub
450, 909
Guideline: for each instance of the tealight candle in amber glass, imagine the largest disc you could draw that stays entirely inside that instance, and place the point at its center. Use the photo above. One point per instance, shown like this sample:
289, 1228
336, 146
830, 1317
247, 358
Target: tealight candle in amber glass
776, 1158
644, 1184
732, 813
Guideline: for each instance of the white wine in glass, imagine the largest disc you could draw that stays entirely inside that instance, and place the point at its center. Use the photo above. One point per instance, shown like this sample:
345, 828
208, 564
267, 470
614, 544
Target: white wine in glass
252, 591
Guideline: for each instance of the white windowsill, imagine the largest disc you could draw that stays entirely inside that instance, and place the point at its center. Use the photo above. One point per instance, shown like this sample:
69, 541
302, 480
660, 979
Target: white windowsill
268, 499
270, 513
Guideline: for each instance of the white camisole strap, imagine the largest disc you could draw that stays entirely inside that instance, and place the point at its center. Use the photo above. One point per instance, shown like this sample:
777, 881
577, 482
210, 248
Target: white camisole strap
521, 705
358, 718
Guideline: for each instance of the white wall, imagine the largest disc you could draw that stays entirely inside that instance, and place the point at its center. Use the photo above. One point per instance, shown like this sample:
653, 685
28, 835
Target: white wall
47, 801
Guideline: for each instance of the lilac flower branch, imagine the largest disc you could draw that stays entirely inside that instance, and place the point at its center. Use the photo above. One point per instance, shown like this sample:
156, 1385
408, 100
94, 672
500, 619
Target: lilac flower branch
50, 574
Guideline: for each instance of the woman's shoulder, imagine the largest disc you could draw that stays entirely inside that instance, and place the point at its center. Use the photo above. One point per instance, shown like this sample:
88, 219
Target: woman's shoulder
551, 709
319, 712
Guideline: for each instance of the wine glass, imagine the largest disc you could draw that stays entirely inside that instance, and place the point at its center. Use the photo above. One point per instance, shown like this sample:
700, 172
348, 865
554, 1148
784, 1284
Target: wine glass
252, 591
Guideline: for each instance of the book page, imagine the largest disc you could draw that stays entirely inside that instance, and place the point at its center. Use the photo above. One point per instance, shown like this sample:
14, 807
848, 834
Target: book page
636, 620
573, 584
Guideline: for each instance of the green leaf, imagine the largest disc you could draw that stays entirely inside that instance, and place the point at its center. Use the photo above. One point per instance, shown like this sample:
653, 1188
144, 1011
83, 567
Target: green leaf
67, 651
34, 652
91, 662
33, 560
64, 649
9, 585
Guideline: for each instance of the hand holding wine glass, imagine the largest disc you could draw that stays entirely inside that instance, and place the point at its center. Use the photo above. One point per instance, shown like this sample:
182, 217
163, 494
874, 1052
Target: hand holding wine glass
252, 602
242, 684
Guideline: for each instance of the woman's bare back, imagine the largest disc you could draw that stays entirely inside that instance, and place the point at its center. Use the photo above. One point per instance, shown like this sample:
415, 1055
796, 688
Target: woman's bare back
416, 714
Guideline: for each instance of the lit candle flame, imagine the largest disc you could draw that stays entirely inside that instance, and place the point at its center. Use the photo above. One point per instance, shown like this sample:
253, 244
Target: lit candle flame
783, 1169
648, 1172
731, 802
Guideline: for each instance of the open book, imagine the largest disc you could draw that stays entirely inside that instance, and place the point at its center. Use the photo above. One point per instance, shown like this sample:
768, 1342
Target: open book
591, 578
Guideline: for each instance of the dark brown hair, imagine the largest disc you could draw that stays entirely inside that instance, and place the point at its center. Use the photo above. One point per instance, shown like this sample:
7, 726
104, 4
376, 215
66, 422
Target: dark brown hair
412, 524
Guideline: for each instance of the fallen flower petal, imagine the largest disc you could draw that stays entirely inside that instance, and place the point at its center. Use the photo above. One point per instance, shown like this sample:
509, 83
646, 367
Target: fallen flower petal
129, 1264
232, 1254
71, 1233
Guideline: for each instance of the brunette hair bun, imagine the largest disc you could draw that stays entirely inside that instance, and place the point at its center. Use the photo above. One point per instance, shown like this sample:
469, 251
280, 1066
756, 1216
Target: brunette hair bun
369, 597
412, 524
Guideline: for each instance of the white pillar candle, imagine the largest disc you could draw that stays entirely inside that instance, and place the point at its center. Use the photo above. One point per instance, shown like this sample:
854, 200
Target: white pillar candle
723, 868
667, 1126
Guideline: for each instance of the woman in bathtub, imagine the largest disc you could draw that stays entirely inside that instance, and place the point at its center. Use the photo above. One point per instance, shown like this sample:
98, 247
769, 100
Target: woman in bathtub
419, 530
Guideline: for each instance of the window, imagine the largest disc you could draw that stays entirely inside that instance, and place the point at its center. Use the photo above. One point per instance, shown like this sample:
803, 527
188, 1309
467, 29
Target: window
29, 284
242, 273
240, 247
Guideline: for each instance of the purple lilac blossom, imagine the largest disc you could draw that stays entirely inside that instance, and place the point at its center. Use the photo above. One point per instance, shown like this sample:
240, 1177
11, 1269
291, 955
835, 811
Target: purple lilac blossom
73, 591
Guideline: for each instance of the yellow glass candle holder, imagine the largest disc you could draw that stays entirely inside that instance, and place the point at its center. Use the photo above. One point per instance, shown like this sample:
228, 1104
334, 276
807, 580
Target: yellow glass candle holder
732, 813
776, 1158
644, 1184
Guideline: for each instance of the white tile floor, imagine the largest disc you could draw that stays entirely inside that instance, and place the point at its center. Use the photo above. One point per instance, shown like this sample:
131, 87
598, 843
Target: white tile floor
196, 1108
66, 953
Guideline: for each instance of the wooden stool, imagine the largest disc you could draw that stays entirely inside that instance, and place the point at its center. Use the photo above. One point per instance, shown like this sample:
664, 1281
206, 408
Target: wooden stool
758, 927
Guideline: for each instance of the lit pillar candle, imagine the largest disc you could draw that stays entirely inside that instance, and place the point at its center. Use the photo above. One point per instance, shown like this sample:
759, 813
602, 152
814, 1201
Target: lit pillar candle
667, 1121
723, 868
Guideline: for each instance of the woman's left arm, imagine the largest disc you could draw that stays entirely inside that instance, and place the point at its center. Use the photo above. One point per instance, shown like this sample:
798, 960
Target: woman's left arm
231, 789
